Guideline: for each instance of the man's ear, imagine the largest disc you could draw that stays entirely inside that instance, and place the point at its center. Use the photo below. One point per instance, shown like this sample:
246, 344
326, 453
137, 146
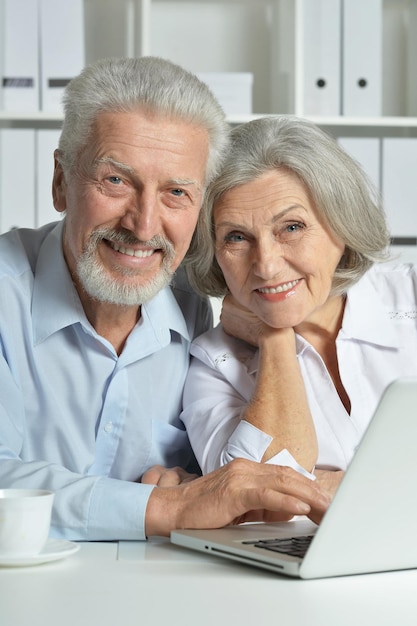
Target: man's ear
59, 185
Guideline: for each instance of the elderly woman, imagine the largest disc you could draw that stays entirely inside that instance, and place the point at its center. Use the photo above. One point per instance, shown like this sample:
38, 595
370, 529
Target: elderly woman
314, 325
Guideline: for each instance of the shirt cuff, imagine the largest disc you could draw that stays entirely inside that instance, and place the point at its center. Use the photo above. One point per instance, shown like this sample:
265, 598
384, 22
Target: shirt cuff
117, 510
249, 442
286, 458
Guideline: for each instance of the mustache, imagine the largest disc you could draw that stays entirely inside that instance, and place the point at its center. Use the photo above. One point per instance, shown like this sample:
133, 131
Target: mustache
127, 238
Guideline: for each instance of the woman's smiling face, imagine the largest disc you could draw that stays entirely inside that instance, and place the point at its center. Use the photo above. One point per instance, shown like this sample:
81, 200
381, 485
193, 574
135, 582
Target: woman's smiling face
277, 258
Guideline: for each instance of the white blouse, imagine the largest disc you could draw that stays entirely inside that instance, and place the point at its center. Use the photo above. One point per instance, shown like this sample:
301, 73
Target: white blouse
376, 344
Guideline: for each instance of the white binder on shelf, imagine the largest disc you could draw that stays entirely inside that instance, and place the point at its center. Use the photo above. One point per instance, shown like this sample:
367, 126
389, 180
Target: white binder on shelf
62, 48
233, 90
321, 57
362, 58
17, 178
399, 188
284, 62
46, 142
367, 152
19, 60
412, 60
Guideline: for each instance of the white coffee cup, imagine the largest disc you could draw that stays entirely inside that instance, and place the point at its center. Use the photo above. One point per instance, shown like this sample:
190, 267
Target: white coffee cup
25, 518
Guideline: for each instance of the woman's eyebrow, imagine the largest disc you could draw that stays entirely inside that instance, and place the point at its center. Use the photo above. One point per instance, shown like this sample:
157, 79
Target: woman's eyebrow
281, 214
274, 219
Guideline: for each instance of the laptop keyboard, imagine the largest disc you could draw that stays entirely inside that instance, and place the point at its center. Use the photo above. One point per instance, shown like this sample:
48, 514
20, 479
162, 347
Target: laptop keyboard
294, 546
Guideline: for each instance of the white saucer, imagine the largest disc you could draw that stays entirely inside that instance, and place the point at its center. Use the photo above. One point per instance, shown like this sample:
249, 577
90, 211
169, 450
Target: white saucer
55, 549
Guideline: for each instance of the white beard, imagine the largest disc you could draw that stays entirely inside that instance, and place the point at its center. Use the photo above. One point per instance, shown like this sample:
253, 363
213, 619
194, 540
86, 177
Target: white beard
105, 288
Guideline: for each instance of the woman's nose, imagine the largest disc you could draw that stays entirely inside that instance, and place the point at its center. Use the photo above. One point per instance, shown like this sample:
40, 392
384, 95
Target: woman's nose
268, 260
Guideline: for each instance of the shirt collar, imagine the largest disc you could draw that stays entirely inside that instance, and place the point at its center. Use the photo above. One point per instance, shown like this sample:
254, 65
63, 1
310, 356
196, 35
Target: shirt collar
163, 313
56, 304
366, 318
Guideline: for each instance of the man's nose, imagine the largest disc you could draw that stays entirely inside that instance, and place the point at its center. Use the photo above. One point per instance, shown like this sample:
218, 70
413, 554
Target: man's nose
142, 216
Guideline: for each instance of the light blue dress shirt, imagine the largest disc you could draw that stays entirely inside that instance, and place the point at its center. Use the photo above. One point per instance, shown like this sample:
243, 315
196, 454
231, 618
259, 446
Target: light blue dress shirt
75, 417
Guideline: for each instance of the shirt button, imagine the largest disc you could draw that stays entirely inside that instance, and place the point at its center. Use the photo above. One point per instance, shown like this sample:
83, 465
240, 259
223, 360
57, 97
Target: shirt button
108, 427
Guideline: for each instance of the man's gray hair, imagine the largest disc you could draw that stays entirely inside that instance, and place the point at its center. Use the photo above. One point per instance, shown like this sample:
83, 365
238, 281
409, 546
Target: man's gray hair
343, 197
130, 84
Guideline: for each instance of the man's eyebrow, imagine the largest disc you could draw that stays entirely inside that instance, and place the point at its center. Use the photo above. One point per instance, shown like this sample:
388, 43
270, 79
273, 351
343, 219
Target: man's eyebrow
121, 166
184, 182
181, 182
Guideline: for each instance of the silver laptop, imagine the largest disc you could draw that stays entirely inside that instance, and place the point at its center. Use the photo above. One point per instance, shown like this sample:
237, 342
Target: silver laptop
370, 525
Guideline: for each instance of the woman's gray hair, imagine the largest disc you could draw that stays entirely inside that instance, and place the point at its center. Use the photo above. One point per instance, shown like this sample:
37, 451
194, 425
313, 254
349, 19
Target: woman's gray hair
131, 84
343, 197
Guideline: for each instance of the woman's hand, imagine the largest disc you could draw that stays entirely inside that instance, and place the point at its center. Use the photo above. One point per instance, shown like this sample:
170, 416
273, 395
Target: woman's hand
241, 323
279, 405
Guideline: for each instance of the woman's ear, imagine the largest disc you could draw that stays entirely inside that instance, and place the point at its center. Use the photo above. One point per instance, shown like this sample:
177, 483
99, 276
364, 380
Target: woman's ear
59, 187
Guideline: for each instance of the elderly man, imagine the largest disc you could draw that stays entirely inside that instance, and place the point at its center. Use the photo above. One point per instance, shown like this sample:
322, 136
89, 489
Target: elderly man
97, 318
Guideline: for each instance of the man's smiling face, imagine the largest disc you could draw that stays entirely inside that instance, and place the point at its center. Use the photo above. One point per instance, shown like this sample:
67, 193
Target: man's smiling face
132, 204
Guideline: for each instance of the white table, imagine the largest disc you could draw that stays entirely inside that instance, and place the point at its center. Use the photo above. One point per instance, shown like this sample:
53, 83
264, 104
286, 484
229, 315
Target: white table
158, 584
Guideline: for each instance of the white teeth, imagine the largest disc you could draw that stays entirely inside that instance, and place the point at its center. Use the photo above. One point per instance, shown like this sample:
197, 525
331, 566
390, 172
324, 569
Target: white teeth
130, 252
280, 288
